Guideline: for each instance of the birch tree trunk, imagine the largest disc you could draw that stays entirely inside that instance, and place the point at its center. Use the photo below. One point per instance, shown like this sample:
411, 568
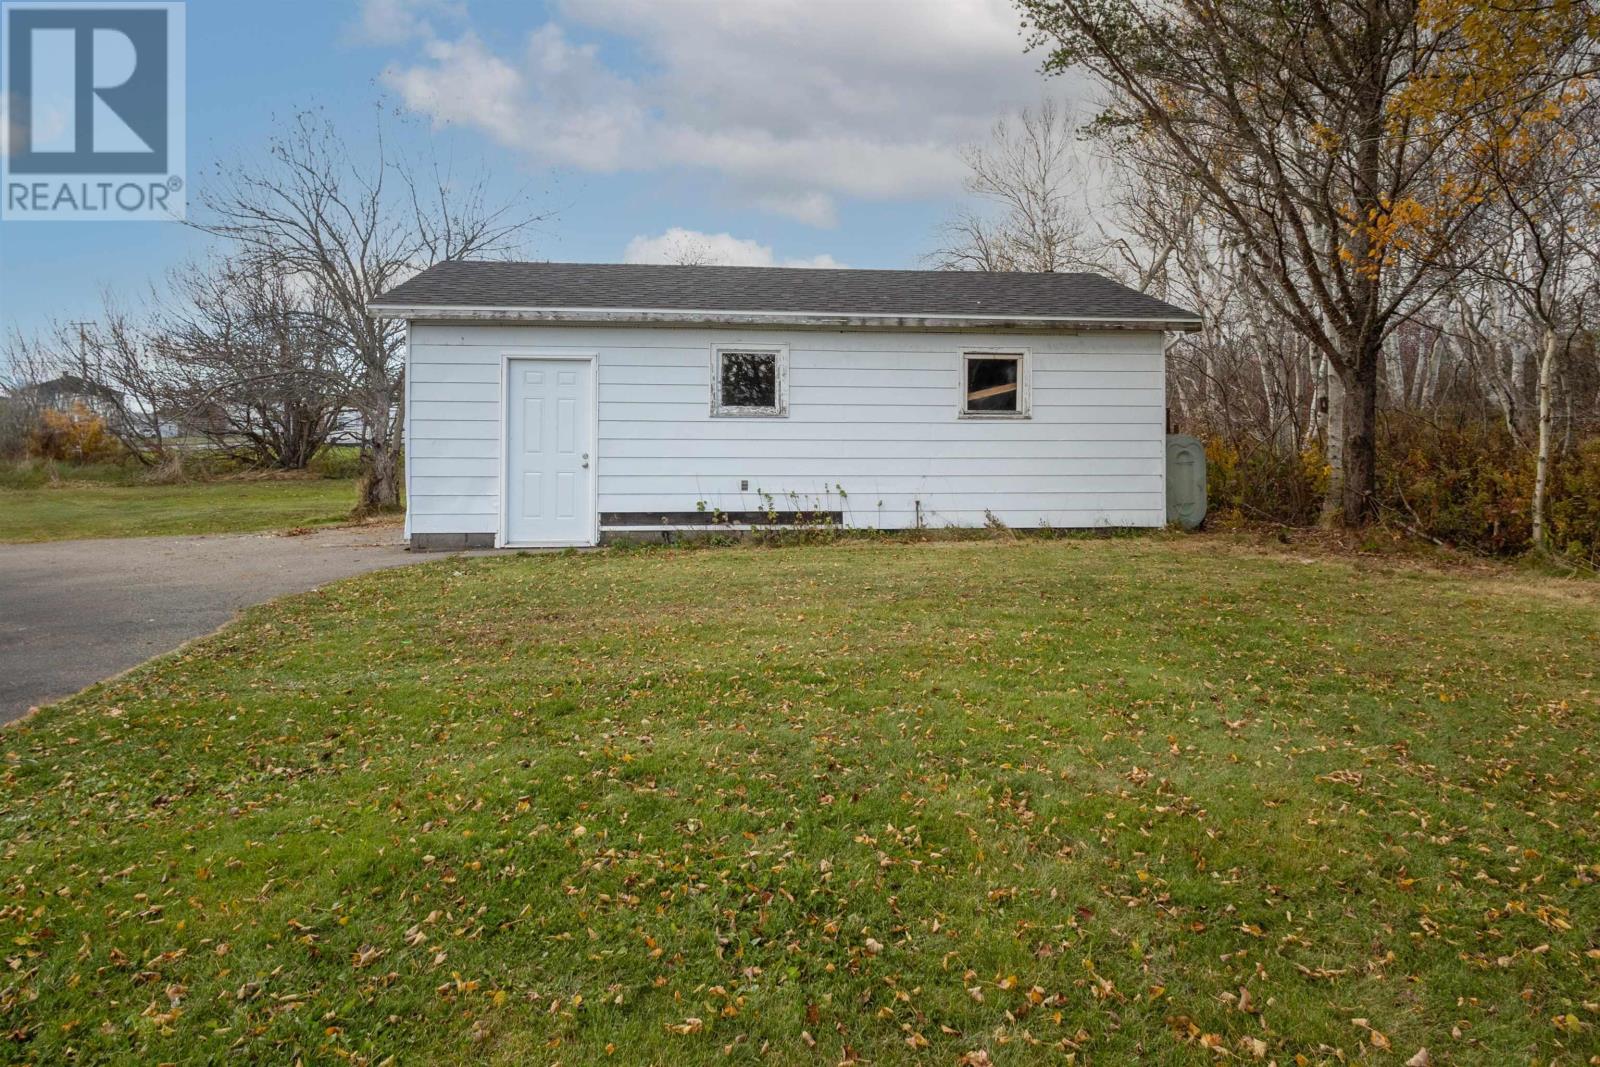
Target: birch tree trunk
1394, 369
1319, 398
1334, 449
1541, 475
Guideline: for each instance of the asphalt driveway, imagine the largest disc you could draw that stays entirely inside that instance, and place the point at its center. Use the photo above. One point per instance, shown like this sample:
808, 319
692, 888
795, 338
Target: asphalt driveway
75, 612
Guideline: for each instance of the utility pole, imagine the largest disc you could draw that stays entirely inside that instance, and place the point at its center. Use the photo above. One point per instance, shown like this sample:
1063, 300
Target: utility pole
83, 358
83, 344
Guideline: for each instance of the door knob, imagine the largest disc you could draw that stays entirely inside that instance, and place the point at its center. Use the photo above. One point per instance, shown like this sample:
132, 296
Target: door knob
586, 461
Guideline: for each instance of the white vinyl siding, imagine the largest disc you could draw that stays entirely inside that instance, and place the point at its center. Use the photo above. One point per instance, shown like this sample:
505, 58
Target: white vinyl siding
876, 413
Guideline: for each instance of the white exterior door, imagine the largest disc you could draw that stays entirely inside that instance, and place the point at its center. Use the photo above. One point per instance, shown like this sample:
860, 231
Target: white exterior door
548, 451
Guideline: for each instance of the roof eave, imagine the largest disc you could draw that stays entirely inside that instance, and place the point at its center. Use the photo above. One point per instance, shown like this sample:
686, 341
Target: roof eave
794, 319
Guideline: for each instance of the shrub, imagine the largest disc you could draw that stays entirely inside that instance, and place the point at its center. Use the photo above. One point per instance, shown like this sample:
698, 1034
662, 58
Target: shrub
77, 435
1461, 479
1574, 509
1254, 482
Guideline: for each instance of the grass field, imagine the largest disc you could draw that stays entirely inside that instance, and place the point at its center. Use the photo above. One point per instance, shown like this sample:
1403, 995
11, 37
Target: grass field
1158, 800
106, 500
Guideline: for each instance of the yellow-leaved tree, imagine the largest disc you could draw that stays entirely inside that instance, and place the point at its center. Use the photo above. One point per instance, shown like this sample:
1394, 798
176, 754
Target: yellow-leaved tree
1337, 141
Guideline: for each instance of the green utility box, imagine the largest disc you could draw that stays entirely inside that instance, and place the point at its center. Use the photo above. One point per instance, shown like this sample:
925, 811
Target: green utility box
1186, 481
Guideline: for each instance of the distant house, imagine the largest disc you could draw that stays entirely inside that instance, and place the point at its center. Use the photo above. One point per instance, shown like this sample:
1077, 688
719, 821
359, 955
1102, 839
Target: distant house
558, 404
68, 391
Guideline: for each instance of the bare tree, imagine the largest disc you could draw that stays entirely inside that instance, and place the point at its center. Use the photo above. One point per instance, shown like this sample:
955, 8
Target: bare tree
28, 364
349, 222
120, 357
1028, 175
254, 366
690, 250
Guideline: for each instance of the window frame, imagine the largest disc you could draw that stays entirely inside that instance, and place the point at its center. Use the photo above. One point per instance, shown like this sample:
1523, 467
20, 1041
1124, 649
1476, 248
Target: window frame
1024, 358
719, 410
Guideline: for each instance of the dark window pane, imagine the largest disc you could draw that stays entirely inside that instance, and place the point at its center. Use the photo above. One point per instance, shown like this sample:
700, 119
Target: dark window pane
749, 380
992, 384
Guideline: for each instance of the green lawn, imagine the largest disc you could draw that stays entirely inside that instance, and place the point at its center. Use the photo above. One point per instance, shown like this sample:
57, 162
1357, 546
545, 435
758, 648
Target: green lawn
1153, 799
83, 508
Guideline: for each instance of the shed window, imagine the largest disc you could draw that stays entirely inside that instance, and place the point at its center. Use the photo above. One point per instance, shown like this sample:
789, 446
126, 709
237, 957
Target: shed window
749, 381
994, 384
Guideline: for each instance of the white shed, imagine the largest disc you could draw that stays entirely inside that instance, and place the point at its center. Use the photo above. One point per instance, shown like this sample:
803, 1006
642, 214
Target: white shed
561, 403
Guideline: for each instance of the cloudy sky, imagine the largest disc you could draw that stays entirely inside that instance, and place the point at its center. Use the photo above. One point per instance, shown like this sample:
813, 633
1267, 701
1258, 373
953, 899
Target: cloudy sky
809, 132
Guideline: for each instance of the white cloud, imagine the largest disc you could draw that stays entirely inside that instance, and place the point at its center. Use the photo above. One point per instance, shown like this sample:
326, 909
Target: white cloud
680, 245
392, 22
813, 209
533, 106
795, 103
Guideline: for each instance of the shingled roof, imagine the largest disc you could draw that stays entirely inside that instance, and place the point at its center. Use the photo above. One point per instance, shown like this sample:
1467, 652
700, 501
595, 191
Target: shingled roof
640, 292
